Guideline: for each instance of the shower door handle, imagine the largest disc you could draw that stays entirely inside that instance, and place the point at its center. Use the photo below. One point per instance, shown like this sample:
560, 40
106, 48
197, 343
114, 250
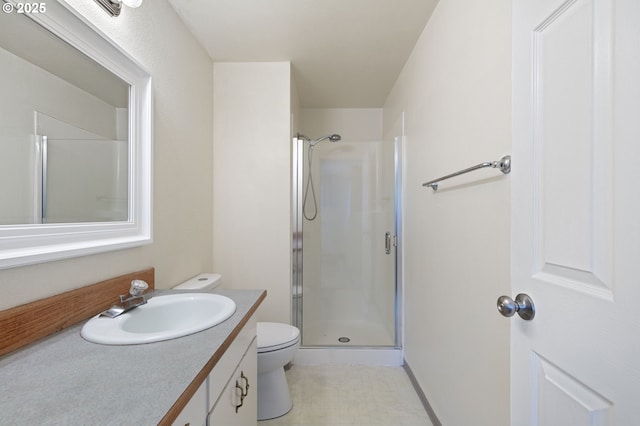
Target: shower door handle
387, 243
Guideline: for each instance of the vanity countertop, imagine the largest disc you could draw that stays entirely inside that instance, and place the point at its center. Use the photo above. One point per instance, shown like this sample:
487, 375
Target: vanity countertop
66, 380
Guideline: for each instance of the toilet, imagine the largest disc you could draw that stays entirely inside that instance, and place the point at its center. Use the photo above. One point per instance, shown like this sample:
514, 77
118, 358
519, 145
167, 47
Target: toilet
277, 346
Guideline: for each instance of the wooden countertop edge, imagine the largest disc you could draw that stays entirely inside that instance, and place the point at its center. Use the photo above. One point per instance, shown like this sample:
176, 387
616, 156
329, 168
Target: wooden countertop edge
186, 396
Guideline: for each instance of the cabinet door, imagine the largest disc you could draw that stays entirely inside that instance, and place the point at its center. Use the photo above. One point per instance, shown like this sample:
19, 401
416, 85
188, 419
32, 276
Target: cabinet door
238, 403
195, 412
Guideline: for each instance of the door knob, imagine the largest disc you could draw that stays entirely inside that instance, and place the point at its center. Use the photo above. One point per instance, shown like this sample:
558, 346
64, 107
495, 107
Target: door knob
523, 305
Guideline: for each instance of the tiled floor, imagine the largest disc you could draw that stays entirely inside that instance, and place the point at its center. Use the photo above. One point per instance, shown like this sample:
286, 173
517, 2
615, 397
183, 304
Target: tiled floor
330, 395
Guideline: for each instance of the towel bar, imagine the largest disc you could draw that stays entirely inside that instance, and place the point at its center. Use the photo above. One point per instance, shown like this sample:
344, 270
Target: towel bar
504, 164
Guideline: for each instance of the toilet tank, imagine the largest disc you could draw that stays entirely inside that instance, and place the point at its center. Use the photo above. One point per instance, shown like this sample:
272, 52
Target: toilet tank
207, 281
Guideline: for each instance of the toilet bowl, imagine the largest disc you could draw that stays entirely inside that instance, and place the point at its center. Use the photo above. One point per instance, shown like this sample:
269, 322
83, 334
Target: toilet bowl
277, 346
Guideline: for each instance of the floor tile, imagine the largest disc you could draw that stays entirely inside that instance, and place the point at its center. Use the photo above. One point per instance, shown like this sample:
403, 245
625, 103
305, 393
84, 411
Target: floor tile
340, 395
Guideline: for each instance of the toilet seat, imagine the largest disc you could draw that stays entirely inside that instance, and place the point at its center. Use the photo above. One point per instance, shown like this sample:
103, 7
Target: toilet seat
273, 336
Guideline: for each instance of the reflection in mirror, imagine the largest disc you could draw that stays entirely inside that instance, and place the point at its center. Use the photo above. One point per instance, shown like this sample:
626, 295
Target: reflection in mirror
63, 131
75, 140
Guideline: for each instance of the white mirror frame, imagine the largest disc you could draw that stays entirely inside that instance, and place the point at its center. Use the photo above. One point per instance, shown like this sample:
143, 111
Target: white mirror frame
35, 243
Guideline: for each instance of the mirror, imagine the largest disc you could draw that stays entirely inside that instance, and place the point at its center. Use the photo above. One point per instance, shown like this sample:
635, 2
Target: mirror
75, 140
63, 131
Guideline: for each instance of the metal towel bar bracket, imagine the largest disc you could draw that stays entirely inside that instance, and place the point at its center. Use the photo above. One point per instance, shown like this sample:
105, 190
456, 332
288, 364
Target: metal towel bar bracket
504, 164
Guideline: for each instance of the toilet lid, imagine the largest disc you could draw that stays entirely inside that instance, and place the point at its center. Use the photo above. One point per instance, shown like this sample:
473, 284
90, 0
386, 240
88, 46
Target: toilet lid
273, 336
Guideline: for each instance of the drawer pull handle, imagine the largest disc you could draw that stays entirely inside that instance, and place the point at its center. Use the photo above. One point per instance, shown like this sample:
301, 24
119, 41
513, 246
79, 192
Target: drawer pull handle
243, 391
246, 389
242, 395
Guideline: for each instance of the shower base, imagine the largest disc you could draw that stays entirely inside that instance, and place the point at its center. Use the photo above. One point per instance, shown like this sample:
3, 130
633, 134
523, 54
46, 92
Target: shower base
368, 344
346, 333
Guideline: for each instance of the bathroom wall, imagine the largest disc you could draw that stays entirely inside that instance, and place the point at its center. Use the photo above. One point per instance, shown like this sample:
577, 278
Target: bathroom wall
295, 107
455, 92
182, 131
353, 124
252, 181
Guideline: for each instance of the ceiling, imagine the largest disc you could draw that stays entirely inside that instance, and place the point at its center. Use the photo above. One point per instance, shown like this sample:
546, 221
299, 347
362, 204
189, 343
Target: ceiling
344, 53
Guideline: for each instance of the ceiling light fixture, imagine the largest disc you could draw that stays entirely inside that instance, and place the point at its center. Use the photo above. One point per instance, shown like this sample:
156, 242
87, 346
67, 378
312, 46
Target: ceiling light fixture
113, 7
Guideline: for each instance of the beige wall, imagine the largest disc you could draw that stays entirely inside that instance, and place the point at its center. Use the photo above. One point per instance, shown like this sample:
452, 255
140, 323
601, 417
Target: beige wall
455, 92
352, 124
252, 174
182, 209
295, 107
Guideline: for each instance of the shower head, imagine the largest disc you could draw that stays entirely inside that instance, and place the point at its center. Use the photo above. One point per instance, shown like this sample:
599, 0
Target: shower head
332, 138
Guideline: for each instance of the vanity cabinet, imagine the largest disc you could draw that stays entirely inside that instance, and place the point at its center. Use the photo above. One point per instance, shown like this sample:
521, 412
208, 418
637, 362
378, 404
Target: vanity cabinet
238, 404
184, 380
232, 383
238, 364
193, 414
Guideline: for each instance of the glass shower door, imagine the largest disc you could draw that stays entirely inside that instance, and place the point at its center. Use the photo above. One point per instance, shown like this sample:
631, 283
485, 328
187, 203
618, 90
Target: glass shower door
345, 258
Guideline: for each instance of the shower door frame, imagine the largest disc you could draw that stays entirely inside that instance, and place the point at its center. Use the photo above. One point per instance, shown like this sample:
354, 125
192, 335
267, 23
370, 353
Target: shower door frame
297, 222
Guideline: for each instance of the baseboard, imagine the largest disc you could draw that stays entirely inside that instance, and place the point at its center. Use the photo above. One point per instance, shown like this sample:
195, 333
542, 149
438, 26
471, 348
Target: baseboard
355, 356
422, 396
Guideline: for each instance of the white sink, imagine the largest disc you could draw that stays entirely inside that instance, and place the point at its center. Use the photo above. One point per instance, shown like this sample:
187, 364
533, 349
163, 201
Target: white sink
161, 318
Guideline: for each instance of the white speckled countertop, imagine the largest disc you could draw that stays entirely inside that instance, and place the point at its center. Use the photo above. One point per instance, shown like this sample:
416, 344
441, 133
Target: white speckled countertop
65, 380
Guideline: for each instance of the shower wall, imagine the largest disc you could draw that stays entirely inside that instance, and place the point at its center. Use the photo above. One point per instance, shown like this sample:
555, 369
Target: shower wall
86, 173
101, 196
348, 281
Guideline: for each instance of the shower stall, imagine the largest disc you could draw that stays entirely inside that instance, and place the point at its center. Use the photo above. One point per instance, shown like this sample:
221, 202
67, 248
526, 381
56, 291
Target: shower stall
80, 176
345, 226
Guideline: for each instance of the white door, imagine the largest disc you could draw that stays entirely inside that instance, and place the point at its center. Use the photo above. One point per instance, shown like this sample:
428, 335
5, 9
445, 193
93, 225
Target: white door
576, 212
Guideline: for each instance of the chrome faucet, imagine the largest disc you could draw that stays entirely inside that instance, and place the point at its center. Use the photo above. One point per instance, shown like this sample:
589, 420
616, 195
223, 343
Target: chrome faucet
129, 301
